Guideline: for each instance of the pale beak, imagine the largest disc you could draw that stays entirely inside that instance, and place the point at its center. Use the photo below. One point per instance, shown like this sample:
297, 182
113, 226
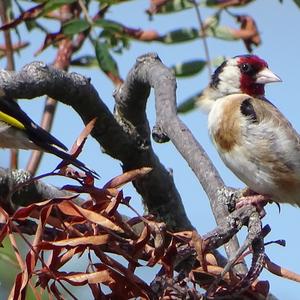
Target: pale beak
266, 76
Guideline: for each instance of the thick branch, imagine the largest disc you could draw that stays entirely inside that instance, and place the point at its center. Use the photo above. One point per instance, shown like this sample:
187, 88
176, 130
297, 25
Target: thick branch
35, 191
126, 136
130, 105
114, 134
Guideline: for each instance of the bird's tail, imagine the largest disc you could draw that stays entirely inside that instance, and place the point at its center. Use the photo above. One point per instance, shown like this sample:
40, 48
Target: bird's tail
20, 122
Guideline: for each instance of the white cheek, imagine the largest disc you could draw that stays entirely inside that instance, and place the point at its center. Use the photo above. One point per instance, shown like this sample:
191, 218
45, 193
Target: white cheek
230, 80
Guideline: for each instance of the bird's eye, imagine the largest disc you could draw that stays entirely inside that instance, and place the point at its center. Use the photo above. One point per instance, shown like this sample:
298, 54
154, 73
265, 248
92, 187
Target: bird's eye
246, 68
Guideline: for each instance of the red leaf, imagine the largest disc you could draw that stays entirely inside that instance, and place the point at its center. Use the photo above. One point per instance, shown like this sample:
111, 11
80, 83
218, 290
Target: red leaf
25, 212
80, 141
56, 292
70, 208
113, 205
136, 284
32, 256
127, 177
18, 291
75, 242
249, 32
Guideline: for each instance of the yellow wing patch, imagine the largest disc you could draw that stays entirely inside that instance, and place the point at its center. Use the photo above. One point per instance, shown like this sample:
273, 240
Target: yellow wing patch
11, 121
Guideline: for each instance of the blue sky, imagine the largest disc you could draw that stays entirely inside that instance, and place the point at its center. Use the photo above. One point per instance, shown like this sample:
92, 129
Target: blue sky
279, 27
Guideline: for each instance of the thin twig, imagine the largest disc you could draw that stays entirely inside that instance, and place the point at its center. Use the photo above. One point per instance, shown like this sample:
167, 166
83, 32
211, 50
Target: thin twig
280, 271
85, 12
9, 52
204, 39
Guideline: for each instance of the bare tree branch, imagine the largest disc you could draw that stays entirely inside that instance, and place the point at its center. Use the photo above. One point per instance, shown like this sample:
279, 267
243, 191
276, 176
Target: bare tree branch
134, 150
35, 191
130, 105
126, 135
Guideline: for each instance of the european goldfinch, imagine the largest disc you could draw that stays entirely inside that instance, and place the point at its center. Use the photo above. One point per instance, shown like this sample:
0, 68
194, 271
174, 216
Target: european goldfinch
255, 141
18, 131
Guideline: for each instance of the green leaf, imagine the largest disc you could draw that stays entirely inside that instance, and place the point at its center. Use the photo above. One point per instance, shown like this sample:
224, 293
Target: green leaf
188, 105
215, 30
175, 6
55, 4
221, 32
109, 25
189, 68
179, 36
75, 26
106, 62
297, 2
218, 3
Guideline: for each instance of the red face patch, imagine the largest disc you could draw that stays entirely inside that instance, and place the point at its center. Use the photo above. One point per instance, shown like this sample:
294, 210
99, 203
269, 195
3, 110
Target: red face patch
249, 66
253, 60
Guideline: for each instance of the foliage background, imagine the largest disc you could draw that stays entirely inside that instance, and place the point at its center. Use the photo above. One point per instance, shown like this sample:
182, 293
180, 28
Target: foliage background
279, 25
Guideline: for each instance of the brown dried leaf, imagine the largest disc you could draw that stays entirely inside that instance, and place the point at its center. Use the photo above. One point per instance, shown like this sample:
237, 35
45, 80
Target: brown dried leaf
69, 210
4, 232
105, 276
25, 212
261, 287
140, 243
249, 32
89, 175
185, 236
136, 284
198, 244
96, 291
74, 242
15, 291
33, 255
126, 253
114, 204
212, 271
280, 271
167, 260
148, 35
80, 141
56, 292
155, 6
74, 210
18, 291
122, 287
56, 261
211, 259
126, 177
5, 229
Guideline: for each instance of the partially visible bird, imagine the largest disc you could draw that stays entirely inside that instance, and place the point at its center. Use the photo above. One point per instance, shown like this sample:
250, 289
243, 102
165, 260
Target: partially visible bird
18, 131
253, 138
